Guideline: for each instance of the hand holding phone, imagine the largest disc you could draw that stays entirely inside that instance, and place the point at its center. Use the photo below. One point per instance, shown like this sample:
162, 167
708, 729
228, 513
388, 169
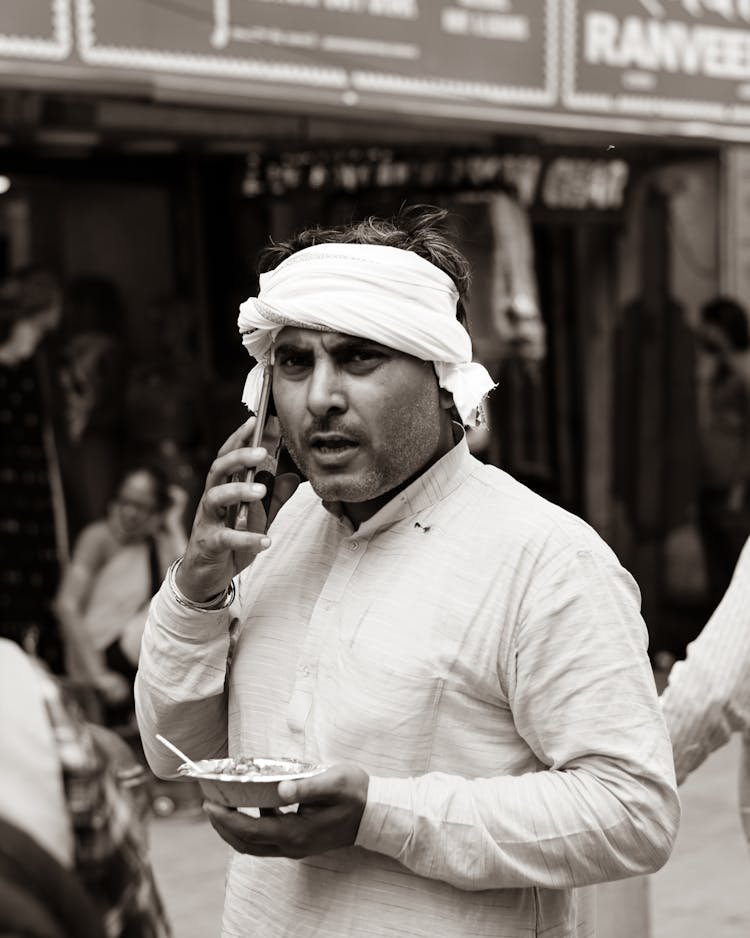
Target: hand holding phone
233, 514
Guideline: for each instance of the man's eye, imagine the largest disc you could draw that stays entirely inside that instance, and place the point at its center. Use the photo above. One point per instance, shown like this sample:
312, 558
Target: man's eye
292, 362
365, 358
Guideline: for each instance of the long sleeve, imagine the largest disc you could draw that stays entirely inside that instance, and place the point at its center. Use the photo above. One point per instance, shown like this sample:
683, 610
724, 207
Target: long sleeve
708, 694
602, 804
180, 686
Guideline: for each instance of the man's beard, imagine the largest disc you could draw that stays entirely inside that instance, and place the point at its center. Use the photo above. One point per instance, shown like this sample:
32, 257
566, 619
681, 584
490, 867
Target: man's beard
363, 485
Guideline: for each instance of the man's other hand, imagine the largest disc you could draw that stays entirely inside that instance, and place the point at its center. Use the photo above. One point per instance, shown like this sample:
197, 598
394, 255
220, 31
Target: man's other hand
330, 808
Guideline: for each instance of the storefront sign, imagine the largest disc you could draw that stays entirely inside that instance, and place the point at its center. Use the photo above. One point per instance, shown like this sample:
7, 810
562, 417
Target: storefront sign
685, 59
555, 182
36, 29
669, 67
494, 51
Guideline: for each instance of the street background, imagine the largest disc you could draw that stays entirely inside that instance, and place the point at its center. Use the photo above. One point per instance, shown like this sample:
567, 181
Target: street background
594, 156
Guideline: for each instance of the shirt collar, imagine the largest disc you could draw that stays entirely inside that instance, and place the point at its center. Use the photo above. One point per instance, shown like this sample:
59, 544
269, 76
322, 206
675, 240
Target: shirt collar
433, 485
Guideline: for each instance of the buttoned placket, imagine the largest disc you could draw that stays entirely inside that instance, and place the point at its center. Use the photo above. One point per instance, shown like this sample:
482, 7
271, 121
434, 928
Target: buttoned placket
324, 623
322, 628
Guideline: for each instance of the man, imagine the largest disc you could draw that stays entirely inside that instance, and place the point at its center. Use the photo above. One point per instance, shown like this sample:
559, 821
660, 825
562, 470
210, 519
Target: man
468, 658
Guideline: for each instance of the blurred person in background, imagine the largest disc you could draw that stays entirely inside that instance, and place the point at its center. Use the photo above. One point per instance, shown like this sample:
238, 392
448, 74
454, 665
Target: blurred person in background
117, 565
92, 374
32, 512
73, 806
166, 408
438, 635
707, 697
724, 439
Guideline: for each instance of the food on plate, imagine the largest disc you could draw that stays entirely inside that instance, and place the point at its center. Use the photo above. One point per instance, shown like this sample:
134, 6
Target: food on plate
248, 768
250, 782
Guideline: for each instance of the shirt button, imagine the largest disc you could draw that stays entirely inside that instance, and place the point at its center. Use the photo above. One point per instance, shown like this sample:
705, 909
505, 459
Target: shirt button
304, 670
353, 545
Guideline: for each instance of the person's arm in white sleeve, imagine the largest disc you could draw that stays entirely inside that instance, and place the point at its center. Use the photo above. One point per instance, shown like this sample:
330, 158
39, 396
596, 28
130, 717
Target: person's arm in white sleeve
708, 694
604, 804
181, 685
180, 688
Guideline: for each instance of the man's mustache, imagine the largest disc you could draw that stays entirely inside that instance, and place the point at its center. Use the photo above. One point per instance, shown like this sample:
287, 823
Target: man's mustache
330, 425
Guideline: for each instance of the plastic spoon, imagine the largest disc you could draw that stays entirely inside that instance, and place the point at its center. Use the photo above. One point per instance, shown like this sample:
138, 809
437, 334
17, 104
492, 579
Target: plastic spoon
177, 752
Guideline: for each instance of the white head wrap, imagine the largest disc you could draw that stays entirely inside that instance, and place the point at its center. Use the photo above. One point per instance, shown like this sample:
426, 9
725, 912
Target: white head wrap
391, 296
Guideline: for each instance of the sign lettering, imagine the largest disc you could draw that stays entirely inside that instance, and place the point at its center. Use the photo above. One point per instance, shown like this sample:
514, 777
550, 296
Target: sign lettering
668, 46
570, 183
576, 183
687, 59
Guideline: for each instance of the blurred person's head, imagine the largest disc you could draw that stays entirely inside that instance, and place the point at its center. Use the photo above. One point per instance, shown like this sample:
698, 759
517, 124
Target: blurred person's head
724, 326
140, 501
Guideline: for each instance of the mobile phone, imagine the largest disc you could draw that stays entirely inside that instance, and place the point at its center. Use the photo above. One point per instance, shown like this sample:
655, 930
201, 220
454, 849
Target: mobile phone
260, 425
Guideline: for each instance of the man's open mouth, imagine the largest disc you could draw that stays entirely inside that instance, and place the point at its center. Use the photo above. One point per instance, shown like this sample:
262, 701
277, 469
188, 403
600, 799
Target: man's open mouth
325, 443
332, 449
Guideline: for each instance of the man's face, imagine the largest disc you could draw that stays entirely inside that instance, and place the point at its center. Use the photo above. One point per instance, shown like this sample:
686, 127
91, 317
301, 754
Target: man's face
358, 418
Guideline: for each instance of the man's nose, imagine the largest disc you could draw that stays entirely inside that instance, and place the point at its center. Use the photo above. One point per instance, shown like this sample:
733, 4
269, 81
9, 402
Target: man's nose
325, 392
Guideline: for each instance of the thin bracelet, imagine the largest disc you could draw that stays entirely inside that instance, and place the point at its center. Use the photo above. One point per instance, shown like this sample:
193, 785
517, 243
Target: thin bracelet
212, 605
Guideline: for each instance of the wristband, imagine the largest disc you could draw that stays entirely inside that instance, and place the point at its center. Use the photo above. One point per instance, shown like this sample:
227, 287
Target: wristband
212, 605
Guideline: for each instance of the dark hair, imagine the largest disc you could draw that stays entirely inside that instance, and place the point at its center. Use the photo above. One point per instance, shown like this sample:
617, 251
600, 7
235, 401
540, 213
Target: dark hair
158, 477
417, 228
729, 316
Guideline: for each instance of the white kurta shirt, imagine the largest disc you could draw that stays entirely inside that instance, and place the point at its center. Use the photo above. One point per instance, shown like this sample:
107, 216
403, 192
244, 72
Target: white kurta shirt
481, 654
707, 698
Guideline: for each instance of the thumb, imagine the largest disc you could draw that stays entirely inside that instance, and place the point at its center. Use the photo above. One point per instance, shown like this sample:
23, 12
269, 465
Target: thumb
317, 788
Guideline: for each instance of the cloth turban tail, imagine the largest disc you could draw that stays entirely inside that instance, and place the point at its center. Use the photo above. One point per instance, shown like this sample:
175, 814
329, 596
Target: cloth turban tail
385, 294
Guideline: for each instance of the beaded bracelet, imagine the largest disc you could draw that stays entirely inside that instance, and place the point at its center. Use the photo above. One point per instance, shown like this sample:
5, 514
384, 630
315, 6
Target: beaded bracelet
212, 605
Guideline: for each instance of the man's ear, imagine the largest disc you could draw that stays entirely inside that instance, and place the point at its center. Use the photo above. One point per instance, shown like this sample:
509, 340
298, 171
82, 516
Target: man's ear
446, 399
